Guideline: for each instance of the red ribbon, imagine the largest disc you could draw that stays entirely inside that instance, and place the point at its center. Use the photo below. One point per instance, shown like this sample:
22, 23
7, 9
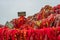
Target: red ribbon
13, 34
1, 37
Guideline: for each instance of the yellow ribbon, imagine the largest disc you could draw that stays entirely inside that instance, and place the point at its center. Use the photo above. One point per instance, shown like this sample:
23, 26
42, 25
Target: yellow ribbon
38, 23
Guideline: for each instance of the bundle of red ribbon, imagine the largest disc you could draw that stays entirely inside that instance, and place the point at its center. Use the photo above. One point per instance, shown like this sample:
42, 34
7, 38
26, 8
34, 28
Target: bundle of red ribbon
45, 25
31, 34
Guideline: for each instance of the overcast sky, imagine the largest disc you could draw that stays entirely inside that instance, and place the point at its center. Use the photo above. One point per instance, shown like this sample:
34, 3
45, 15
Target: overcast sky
9, 8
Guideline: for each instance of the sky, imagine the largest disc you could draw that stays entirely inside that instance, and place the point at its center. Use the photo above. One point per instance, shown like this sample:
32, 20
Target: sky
9, 8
